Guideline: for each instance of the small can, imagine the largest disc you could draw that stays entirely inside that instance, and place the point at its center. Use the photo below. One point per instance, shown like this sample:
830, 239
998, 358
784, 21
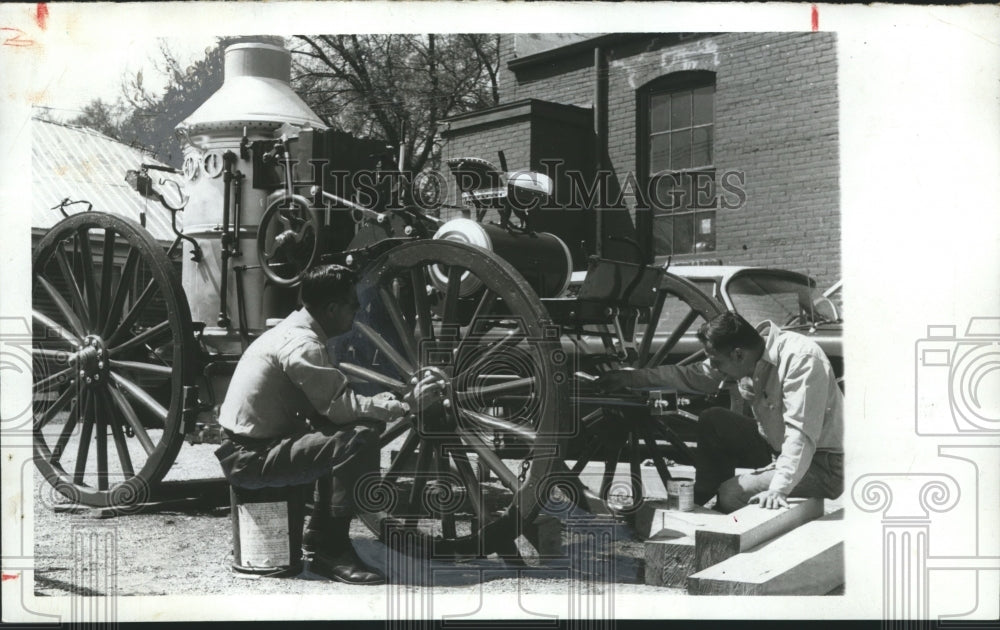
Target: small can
680, 494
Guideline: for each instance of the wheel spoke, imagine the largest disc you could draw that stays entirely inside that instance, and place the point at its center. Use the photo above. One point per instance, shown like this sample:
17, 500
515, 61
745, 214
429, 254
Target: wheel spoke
473, 489
64, 334
373, 377
651, 326
674, 337
141, 396
697, 355
399, 323
592, 448
451, 295
122, 290
70, 278
57, 406
113, 331
42, 384
447, 518
150, 368
484, 393
89, 282
422, 305
404, 455
397, 429
647, 437
509, 340
64, 308
145, 336
133, 420
634, 468
84, 447
492, 460
60, 356
101, 437
66, 432
424, 458
107, 269
499, 424
610, 467
402, 366
121, 446
484, 308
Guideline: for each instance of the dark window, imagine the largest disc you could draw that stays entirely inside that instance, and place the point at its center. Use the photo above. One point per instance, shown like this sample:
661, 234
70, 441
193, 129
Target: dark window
677, 123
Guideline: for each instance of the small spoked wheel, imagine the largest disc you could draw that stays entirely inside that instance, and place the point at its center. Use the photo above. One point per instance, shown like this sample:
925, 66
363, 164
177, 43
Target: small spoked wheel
112, 352
460, 477
624, 431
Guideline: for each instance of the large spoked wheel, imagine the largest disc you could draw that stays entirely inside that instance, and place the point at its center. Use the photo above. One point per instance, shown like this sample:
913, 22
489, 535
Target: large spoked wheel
462, 477
621, 429
113, 350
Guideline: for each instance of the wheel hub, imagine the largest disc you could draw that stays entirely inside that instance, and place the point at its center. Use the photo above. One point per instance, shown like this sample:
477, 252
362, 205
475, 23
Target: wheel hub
92, 361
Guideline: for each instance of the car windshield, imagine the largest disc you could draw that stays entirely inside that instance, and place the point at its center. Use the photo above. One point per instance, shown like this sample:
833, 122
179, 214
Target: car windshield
784, 300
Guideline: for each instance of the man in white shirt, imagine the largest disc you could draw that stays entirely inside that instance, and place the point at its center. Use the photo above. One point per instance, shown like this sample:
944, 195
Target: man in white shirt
798, 415
292, 418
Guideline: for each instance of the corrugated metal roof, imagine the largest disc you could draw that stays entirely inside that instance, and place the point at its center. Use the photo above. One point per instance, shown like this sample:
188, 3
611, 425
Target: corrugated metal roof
81, 164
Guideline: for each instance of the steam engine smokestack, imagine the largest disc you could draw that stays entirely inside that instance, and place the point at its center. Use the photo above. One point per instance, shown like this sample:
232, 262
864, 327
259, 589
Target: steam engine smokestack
254, 107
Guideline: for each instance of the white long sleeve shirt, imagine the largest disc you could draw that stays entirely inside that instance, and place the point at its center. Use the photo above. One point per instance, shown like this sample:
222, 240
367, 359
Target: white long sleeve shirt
793, 393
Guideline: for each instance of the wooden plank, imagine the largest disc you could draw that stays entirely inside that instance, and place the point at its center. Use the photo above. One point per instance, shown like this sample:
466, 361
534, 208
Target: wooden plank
806, 561
670, 551
749, 527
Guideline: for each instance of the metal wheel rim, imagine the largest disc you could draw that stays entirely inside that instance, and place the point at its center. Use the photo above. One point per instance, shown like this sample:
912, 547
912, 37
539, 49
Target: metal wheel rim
99, 405
504, 281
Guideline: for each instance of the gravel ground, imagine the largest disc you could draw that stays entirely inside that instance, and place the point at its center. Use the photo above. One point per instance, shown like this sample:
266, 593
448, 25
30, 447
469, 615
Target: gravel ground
187, 550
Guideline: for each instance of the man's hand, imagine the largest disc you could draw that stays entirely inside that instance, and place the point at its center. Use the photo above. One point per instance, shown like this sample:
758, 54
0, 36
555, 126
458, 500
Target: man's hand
770, 499
425, 392
613, 380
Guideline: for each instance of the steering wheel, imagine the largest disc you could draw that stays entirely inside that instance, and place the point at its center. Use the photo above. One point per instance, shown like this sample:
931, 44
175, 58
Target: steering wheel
295, 241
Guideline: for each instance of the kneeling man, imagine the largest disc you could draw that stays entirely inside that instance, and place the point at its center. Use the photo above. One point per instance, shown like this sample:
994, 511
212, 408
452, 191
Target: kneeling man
795, 438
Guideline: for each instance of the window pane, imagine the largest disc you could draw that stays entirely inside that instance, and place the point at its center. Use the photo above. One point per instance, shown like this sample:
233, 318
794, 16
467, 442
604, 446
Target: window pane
659, 153
659, 112
705, 237
680, 149
683, 233
663, 235
703, 105
701, 147
703, 189
680, 111
671, 192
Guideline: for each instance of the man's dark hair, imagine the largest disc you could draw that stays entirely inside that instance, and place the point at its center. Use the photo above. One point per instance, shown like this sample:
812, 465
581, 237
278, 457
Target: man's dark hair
728, 331
325, 284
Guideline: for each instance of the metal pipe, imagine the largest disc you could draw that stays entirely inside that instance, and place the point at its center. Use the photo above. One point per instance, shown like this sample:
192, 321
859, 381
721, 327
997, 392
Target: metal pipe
228, 158
599, 145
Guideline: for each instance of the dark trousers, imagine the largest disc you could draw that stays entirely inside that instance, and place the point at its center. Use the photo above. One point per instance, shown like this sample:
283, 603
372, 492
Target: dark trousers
728, 440
334, 457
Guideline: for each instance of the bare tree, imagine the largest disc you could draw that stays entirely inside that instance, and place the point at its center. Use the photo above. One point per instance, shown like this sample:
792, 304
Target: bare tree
396, 87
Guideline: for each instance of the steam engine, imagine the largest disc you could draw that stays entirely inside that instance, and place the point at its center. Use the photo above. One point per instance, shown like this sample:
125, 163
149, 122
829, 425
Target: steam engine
273, 191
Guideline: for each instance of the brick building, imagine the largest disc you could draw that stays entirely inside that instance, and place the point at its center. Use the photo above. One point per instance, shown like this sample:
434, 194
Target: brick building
718, 146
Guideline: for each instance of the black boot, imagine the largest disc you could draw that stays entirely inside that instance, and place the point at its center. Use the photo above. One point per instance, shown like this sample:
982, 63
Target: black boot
333, 555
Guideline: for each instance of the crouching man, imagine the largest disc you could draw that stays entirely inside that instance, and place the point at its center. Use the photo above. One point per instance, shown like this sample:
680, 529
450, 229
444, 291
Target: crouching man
795, 439
291, 418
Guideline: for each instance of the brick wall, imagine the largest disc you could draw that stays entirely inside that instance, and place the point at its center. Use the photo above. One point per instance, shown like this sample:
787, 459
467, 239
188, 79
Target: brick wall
776, 120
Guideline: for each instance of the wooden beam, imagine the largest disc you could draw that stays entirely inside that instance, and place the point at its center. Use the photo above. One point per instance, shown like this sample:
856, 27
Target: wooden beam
749, 527
669, 551
806, 561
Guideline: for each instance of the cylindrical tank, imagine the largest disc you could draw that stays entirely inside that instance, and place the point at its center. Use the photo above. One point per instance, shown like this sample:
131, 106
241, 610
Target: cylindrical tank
257, 101
542, 258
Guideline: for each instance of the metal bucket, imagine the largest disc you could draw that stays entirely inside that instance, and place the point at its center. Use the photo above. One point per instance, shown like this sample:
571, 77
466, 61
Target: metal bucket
267, 529
680, 494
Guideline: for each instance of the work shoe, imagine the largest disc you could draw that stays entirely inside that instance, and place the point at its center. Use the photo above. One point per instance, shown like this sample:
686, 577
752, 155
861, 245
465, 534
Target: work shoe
344, 566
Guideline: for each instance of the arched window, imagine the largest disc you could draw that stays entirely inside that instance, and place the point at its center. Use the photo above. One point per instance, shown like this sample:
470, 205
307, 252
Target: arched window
676, 159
